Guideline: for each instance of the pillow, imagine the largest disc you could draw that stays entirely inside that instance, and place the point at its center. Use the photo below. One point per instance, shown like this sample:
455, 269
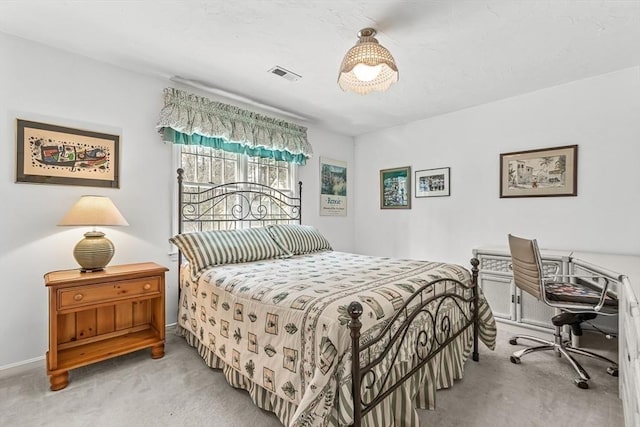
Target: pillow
207, 248
299, 239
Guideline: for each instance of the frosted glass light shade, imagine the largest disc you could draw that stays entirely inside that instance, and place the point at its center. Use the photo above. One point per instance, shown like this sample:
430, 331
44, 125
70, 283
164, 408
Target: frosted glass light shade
366, 73
367, 66
95, 251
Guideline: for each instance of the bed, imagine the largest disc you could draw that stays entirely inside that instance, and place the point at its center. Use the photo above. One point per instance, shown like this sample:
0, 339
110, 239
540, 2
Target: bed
266, 300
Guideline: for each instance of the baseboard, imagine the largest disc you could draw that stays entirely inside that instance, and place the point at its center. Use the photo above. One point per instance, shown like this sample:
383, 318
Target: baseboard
22, 363
168, 328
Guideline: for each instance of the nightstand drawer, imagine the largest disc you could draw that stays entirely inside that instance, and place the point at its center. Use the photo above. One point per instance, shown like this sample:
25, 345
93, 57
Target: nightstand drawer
81, 296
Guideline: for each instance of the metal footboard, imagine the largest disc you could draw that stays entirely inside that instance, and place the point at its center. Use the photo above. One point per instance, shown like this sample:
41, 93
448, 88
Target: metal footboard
424, 318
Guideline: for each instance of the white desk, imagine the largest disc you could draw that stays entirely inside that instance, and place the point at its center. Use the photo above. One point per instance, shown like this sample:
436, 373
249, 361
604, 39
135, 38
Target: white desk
628, 322
508, 303
628, 265
514, 306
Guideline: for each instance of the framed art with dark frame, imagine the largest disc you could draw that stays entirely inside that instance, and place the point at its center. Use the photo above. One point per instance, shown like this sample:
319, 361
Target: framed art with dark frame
395, 188
51, 154
545, 172
432, 182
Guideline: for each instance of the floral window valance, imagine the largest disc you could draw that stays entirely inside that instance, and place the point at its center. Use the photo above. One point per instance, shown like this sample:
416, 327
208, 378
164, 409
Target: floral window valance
190, 119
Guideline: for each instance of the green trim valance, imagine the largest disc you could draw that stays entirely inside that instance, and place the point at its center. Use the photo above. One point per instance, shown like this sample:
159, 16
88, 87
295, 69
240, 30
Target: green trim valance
190, 119
175, 137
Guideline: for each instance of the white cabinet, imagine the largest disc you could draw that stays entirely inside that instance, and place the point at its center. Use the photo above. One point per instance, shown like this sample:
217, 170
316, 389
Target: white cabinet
497, 285
629, 355
508, 303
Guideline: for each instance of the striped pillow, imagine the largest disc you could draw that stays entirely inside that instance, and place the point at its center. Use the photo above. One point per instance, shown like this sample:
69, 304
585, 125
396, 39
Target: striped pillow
208, 248
299, 239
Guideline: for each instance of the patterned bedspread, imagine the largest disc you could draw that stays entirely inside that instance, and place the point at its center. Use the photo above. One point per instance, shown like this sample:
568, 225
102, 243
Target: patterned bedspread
282, 324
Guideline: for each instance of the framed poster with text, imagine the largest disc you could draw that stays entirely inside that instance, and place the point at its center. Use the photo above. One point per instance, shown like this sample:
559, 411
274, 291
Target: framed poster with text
333, 187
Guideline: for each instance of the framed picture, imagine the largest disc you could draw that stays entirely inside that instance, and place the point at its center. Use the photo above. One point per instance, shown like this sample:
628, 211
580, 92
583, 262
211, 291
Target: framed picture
432, 183
540, 173
395, 188
50, 154
333, 187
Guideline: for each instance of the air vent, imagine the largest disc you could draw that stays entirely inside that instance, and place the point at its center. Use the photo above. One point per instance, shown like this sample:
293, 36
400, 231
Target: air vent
285, 74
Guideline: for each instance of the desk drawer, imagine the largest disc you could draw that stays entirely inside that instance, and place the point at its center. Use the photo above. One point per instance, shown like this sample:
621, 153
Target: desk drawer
499, 264
81, 296
502, 264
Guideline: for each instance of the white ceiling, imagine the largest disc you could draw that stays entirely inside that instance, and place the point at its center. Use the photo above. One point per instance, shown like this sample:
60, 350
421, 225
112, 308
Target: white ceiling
451, 54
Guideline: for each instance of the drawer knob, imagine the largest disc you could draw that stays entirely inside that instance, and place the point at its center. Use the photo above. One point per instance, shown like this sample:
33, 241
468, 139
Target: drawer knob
146, 286
78, 297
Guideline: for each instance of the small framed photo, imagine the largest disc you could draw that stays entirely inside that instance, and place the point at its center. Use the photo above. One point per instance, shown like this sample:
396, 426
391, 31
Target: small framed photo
50, 154
433, 183
546, 172
395, 188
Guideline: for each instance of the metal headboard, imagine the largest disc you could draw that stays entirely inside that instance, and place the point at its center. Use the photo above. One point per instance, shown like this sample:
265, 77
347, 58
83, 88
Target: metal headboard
205, 207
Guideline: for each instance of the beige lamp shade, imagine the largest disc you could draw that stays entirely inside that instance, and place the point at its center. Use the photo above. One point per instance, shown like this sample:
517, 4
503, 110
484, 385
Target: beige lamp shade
93, 210
368, 66
95, 251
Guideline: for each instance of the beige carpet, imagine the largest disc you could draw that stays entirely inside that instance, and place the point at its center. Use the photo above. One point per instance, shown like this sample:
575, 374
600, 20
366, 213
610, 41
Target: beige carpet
180, 390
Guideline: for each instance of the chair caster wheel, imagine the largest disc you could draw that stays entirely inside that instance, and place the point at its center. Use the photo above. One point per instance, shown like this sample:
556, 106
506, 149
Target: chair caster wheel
613, 371
513, 341
582, 384
515, 360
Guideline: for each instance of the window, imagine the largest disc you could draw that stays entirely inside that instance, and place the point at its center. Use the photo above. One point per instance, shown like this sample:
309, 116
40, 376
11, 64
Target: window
205, 165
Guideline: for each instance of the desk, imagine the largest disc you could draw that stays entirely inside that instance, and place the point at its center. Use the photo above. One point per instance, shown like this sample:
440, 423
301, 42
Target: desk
627, 270
508, 303
513, 306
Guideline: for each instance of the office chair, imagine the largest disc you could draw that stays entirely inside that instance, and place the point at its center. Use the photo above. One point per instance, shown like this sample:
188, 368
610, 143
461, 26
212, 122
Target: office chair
577, 303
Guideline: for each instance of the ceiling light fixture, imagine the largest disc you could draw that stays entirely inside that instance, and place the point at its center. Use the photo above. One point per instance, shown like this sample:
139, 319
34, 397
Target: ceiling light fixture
367, 66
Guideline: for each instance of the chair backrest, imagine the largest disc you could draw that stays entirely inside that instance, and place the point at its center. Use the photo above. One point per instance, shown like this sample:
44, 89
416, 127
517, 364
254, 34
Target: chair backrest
526, 265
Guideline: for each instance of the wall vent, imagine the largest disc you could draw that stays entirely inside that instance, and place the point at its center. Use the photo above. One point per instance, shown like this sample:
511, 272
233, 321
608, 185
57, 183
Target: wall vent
285, 74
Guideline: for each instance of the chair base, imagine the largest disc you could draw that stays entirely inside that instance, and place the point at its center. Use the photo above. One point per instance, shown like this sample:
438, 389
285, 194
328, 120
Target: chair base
562, 349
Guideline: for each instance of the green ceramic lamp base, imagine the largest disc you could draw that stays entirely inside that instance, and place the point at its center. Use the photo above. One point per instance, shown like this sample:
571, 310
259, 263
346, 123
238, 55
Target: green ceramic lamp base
93, 252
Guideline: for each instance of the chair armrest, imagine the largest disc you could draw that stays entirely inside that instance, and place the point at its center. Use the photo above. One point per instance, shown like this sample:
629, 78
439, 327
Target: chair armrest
603, 294
591, 276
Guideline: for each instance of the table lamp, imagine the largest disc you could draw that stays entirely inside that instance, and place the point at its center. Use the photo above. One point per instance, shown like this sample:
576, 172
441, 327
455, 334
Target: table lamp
95, 251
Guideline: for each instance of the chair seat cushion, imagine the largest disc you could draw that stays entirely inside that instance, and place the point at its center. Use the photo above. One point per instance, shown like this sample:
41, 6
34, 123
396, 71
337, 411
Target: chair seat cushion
573, 292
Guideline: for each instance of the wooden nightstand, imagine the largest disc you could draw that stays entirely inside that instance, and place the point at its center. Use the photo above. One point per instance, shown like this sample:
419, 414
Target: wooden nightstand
100, 315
